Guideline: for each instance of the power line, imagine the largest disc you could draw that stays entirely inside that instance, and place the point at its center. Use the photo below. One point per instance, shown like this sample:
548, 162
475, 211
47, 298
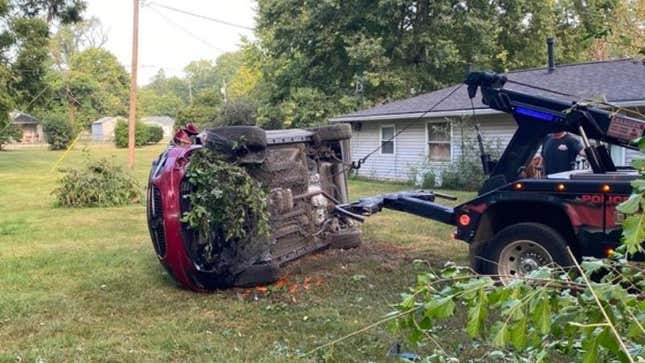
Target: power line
185, 30
219, 21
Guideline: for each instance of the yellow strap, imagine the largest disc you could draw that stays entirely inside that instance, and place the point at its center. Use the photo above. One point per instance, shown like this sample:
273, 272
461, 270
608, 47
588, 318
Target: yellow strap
62, 157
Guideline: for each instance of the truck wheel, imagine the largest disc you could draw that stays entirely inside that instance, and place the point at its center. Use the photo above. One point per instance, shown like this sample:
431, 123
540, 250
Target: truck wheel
519, 249
333, 132
223, 139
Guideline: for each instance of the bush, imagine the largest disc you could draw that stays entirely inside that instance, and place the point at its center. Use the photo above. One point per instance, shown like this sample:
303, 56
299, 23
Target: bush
121, 134
9, 132
155, 134
467, 173
237, 112
429, 180
59, 131
100, 183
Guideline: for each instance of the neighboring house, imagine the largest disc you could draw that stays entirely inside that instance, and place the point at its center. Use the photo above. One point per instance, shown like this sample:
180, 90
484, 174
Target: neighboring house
435, 140
32, 128
103, 129
166, 123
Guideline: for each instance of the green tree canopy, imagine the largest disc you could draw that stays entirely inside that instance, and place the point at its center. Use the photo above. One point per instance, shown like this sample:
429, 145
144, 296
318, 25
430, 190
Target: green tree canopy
336, 55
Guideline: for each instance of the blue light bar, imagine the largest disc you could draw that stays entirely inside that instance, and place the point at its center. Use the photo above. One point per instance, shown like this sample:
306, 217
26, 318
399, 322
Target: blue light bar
536, 114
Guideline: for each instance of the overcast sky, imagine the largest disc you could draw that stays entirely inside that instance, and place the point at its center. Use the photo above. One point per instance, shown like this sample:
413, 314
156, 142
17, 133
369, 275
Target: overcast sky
168, 39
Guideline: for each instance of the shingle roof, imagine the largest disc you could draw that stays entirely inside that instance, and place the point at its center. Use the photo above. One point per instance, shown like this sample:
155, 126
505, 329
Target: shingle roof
160, 120
103, 120
18, 117
619, 81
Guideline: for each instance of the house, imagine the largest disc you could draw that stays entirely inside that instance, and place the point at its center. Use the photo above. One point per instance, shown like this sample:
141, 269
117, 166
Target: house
165, 122
103, 129
432, 140
32, 128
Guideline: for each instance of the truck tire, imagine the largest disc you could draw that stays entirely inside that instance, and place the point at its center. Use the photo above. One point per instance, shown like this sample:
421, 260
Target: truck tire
223, 139
333, 132
521, 248
345, 240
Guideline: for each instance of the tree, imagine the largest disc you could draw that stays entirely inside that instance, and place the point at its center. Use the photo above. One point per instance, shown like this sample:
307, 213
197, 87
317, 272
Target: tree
68, 11
95, 85
362, 52
70, 39
23, 53
163, 96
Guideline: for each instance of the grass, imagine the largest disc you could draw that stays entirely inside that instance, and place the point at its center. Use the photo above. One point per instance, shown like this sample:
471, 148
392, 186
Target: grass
85, 285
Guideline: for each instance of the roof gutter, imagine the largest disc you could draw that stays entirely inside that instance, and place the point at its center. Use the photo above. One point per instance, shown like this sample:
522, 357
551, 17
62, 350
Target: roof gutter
452, 113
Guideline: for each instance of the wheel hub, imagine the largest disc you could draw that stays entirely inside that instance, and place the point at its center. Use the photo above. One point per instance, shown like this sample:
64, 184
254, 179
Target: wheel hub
520, 258
530, 262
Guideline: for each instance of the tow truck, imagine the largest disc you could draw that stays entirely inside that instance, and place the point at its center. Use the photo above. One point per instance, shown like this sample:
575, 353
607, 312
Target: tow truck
516, 225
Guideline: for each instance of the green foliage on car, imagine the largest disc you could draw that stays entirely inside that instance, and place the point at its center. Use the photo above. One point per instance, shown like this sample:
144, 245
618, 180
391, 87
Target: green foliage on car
227, 204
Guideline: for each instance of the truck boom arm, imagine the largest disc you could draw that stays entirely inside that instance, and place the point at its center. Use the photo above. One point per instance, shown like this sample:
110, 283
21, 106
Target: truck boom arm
538, 116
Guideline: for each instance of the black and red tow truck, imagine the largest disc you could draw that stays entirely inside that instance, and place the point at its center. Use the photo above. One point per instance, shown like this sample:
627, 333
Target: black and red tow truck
516, 224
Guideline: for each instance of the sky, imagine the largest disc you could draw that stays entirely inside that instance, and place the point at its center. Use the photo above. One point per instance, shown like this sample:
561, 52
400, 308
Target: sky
169, 39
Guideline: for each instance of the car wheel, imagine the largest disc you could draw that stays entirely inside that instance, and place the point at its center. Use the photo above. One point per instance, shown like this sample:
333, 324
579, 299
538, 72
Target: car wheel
258, 274
345, 239
517, 250
226, 139
333, 132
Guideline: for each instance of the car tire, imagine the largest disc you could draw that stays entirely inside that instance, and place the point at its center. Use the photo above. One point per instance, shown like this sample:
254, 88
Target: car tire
520, 248
224, 139
258, 274
333, 132
345, 240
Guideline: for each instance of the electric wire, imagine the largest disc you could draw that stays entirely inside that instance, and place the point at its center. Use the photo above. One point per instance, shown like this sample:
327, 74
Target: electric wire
580, 98
185, 30
361, 161
185, 12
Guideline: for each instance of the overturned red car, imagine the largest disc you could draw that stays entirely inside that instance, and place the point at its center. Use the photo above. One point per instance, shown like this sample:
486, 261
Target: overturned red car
305, 175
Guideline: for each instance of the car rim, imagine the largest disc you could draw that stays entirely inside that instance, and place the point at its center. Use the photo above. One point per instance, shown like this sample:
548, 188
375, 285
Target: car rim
520, 258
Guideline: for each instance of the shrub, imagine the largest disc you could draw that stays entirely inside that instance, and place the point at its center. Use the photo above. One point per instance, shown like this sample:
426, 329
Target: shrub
422, 175
58, 131
429, 180
466, 173
9, 132
121, 134
100, 183
155, 134
237, 112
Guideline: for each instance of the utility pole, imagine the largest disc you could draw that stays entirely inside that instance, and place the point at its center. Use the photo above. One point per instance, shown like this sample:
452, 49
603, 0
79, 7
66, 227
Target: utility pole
132, 119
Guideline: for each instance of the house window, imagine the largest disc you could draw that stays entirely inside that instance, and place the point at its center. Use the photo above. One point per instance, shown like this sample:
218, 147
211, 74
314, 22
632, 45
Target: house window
438, 141
387, 139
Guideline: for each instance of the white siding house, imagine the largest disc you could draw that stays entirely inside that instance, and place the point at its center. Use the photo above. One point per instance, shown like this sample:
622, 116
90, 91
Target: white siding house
103, 129
165, 122
435, 139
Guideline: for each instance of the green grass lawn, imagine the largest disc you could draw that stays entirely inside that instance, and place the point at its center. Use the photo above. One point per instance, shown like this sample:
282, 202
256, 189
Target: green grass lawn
85, 285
